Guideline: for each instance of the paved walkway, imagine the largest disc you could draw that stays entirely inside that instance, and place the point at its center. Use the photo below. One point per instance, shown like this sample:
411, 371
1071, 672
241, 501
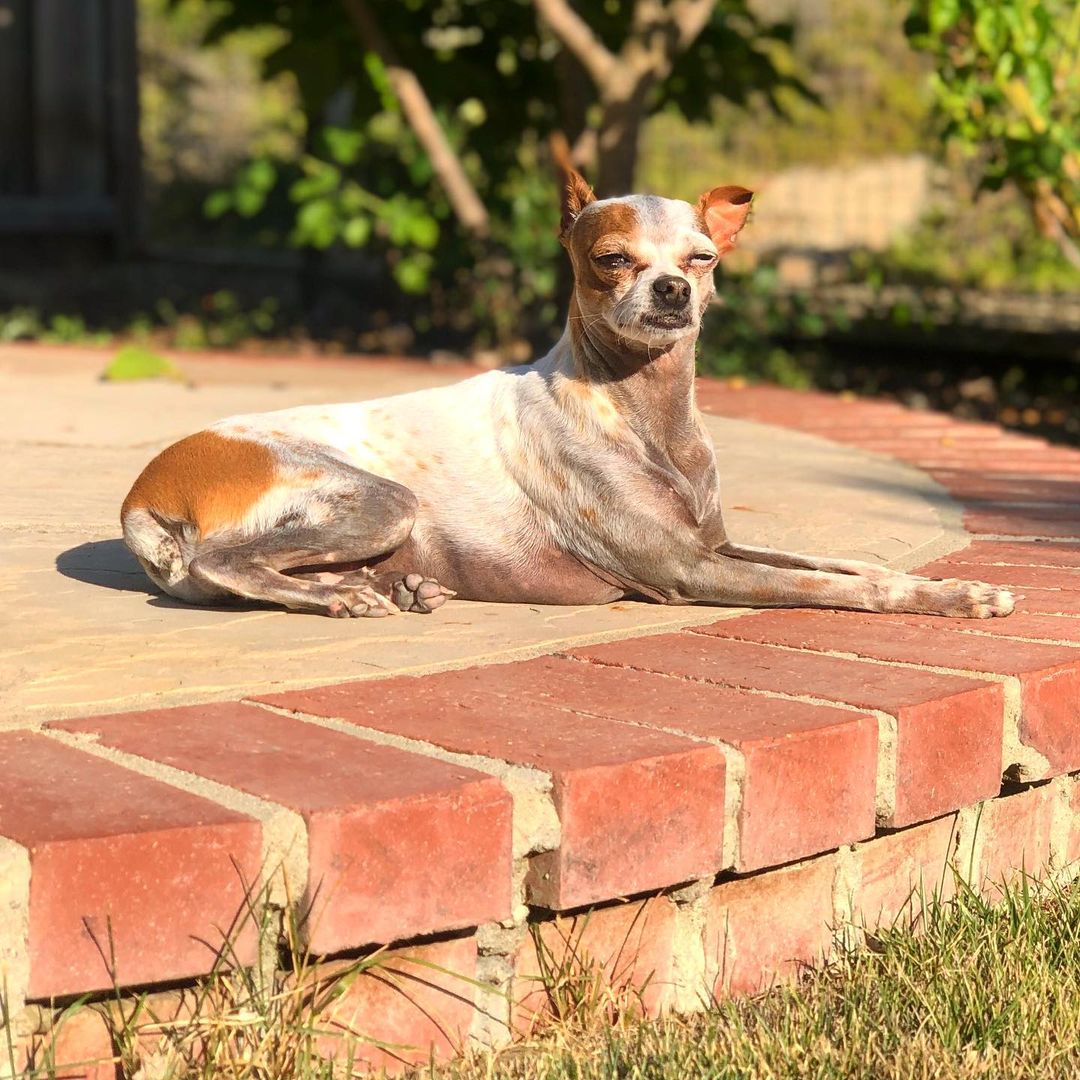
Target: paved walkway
85, 632
767, 777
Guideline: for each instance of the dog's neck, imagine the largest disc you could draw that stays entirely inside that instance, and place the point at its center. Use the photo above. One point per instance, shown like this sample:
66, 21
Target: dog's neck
650, 386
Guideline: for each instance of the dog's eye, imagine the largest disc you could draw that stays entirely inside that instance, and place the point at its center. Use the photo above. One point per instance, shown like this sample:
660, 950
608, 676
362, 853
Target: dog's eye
702, 258
614, 261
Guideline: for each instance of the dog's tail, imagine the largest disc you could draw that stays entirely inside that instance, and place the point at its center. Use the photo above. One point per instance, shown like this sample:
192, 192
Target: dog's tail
156, 548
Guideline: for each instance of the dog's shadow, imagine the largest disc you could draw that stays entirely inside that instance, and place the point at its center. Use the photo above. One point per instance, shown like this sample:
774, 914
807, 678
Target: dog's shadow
109, 565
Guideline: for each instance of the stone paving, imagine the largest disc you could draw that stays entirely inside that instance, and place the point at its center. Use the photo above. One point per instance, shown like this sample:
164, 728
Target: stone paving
87, 633
728, 793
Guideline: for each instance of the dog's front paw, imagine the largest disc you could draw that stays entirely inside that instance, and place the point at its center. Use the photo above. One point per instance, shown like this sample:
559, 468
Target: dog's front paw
966, 599
414, 592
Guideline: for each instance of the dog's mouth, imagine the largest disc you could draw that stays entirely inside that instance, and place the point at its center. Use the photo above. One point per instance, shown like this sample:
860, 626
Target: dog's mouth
670, 320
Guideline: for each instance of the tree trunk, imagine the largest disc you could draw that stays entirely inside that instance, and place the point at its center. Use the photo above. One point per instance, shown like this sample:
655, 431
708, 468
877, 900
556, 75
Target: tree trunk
617, 139
468, 208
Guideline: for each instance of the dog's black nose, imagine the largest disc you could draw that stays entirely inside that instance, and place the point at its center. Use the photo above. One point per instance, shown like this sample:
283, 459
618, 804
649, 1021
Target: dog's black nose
672, 291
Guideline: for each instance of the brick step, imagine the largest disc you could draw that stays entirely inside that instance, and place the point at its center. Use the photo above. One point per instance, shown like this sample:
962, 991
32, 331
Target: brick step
736, 934
748, 785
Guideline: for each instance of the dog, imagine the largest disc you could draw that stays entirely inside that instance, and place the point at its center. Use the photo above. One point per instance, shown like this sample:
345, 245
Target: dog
585, 478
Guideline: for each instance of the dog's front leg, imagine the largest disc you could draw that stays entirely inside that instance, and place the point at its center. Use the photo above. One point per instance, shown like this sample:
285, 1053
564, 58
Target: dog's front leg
722, 579
790, 560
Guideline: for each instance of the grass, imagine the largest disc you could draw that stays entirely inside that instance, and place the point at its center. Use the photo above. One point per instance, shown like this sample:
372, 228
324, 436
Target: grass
981, 991
978, 990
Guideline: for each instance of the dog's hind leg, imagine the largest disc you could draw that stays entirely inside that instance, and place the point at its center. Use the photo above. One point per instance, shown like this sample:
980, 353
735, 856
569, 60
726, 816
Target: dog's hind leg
409, 591
349, 516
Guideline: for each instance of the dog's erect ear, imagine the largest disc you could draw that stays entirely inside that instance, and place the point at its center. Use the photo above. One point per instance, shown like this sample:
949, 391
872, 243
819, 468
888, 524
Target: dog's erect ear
723, 212
575, 191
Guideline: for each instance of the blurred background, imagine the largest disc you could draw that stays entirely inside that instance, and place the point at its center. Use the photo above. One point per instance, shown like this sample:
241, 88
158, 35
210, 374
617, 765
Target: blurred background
374, 176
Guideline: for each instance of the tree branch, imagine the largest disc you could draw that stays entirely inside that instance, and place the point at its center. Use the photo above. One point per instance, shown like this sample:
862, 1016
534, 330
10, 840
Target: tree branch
690, 18
466, 204
576, 34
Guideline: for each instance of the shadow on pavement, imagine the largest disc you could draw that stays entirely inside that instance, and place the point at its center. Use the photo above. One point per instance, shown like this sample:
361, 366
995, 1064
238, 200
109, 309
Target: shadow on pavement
107, 563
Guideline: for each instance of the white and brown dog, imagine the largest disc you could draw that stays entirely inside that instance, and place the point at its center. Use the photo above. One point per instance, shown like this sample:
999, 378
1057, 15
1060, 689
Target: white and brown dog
581, 479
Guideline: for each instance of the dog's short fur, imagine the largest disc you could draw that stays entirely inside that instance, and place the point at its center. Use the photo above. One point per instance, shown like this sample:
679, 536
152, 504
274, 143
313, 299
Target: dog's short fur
581, 479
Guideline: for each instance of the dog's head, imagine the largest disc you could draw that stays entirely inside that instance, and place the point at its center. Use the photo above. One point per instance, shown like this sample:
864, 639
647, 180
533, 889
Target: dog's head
644, 265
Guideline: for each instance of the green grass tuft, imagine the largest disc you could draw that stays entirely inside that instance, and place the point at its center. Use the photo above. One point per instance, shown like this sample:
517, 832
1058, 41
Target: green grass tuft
988, 991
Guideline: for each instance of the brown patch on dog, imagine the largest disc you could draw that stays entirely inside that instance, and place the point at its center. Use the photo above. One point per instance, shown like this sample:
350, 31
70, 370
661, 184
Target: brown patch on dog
617, 224
575, 191
206, 479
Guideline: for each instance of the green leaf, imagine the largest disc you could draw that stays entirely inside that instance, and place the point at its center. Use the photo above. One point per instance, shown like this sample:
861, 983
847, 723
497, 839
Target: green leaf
943, 14
424, 231
344, 144
991, 33
134, 362
317, 223
1040, 80
248, 201
357, 231
218, 203
260, 175
412, 272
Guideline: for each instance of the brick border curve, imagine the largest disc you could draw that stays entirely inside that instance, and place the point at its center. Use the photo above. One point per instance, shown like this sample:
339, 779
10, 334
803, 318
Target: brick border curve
760, 782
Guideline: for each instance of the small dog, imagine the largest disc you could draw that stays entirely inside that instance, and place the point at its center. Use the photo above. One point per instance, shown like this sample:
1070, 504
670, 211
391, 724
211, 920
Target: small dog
582, 479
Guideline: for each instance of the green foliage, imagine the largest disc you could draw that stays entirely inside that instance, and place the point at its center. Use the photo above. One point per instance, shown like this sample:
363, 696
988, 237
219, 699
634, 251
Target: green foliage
27, 324
983, 243
1007, 85
746, 337
869, 99
219, 321
499, 84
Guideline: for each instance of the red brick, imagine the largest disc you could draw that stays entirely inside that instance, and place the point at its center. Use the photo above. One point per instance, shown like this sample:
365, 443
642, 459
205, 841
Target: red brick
1013, 836
898, 874
398, 844
625, 948
1015, 577
1053, 629
1042, 464
975, 486
781, 817
1049, 675
933, 430
416, 1001
639, 809
1024, 521
1019, 553
1047, 602
79, 1047
1070, 839
949, 728
113, 852
766, 928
